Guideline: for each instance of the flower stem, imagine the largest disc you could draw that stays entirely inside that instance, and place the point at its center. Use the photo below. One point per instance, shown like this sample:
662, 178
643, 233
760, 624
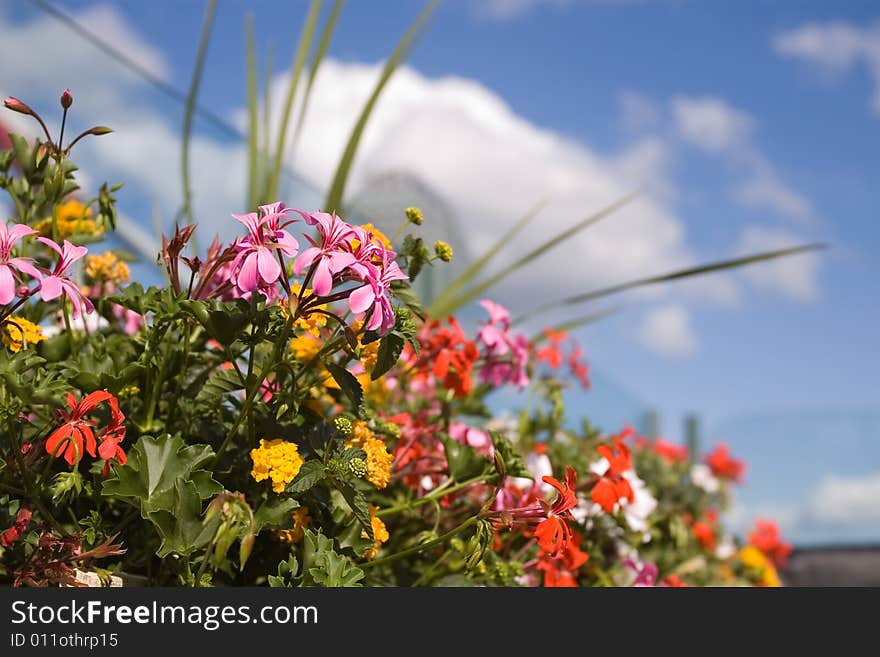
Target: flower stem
443, 489
424, 546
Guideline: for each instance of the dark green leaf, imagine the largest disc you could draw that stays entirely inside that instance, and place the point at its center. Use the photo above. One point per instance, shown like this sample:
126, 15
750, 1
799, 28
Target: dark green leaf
347, 382
512, 461
358, 504
464, 461
309, 474
274, 513
389, 351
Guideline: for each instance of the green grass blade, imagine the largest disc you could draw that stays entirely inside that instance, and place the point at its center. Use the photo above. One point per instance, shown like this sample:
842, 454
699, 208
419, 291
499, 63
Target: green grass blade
253, 109
315, 64
299, 60
263, 158
480, 263
468, 296
207, 24
681, 273
333, 202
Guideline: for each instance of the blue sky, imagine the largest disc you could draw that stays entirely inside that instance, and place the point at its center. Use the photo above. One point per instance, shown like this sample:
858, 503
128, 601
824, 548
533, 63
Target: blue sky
748, 125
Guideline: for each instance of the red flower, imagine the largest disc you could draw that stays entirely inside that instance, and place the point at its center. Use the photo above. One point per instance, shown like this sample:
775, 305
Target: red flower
552, 353
612, 485
673, 581
448, 355
723, 466
704, 530
76, 428
670, 452
552, 532
579, 369
767, 538
11, 535
562, 571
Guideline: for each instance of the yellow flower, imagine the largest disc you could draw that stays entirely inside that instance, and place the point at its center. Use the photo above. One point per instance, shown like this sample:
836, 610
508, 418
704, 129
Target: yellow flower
17, 332
276, 460
380, 533
73, 217
369, 355
378, 236
301, 520
107, 268
443, 251
305, 347
378, 462
360, 434
754, 559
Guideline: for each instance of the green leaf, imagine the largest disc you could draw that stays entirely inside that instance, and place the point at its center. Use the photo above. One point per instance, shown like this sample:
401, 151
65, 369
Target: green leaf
309, 474
219, 383
440, 310
287, 571
325, 566
274, 513
299, 60
155, 466
389, 351
347, 383
252, 107
480, 263
679, 274
181, 526
511, 460
404, 293
464, 461
336, 193
358, 504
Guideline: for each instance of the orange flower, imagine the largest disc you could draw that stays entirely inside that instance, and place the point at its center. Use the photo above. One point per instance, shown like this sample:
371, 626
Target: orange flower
552, 353
704, 530
562, 571
76, 428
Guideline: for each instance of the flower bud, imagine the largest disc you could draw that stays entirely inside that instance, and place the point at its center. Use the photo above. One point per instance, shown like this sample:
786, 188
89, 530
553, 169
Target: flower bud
13, 103
343, 425
443, 251
414, 216
66, 99
358, 467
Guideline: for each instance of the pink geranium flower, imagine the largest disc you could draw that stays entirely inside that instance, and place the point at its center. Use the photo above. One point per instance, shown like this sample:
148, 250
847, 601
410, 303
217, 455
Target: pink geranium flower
8, 265
255, 264
56, 283
330, 256
506, 354
372, 296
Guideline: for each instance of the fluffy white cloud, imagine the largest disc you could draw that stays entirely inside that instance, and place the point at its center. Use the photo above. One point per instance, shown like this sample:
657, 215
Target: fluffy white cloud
847, 501
794, 276
836, 47
668, 331
713, 125
638, 112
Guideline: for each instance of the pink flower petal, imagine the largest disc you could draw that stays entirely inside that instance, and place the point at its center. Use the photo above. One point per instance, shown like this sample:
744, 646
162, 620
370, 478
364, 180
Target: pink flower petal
361, 299
7, 284
268, 266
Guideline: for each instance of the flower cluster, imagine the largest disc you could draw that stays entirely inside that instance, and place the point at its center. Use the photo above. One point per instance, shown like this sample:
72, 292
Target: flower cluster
505, 355
76, 437
277, 460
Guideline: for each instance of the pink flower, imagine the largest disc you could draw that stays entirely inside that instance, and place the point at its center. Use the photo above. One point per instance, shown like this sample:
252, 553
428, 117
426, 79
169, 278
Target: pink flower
506, 355
477, 439
329, 257
8, 238
645, 573
372, 296
57, 283
255, 263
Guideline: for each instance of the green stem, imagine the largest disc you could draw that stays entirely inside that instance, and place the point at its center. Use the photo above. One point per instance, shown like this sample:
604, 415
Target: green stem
437, 492
424, 546
67, 326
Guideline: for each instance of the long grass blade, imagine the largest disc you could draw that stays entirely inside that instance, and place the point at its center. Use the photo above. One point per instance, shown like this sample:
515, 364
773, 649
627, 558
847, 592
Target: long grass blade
333, 202
207, 25
480, 263
468, 296
679, 274
263, 159
252, 104
571, 325
317, 57
299, 60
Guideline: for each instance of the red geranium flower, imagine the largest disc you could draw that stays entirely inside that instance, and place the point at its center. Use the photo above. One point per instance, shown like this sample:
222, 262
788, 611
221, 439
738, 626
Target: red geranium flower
11, 535
552, 353
76, 427
612, 485
723, 465
767, 538
562, 571
552, 532
704, 530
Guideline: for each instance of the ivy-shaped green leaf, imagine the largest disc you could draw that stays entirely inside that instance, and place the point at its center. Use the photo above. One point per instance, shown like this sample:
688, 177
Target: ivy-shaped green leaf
219, 384
325, 566
274, 513
181, 526
310, 473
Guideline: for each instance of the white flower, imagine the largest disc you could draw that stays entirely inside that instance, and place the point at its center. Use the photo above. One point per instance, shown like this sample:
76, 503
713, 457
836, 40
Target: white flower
642, 506
539, 465
702, 477
726, 548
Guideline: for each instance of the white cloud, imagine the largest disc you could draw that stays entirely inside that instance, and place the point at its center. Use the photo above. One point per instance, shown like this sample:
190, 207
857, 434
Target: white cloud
509, 9
711, 124
836, 47
793, 276
847, 501
714, 126
668, 331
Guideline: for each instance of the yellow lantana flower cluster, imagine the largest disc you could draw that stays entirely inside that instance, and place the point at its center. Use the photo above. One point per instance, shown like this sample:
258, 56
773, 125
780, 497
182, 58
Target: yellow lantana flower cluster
380, 533
73, 217
17, 332
107, 268
379, 459
276, 460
